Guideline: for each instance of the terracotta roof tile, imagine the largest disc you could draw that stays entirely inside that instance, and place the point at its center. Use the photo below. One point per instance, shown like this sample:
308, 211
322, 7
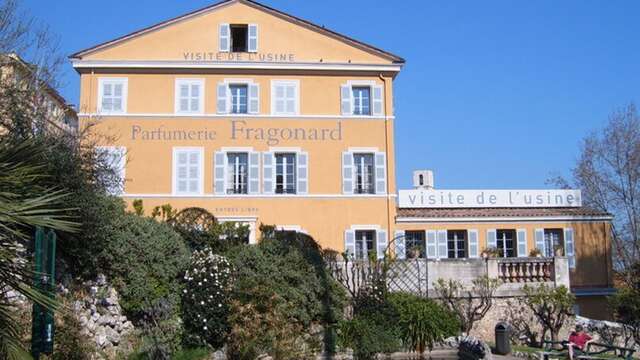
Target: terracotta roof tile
496, 212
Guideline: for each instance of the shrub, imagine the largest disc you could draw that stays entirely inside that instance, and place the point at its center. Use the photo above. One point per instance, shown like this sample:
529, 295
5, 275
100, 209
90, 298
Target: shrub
70, 343
288, 270
422, 322
206, 296
368, 335
161, 330
144, 259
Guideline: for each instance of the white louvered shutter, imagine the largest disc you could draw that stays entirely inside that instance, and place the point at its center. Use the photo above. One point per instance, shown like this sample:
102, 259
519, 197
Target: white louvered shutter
224, 38
474, 247
222, 103
491, 239
350, 243
347, 173
254, 173
442, 244
346, 101
303, 173
381, 173
399, 244
219, 166
253, 38
254, 98
377, 100
540, 245
381, 243
569, 244
521, 234
432, 246
268, 173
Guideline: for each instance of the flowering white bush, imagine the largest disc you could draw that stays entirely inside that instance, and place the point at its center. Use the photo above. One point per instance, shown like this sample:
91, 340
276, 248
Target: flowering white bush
205, 298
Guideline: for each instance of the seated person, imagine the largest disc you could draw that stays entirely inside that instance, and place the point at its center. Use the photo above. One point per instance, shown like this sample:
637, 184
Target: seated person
578, 341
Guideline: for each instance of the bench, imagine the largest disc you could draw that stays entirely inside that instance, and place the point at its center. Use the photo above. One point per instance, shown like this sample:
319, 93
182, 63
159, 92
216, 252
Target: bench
599, 351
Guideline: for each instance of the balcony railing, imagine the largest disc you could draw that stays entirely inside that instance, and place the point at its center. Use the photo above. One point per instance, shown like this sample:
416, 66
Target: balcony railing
526, 270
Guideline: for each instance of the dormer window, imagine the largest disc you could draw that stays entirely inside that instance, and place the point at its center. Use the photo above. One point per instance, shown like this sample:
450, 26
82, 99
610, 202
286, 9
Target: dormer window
238, 38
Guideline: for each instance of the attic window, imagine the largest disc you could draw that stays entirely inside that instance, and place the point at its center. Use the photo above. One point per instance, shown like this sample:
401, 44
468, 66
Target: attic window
239, 37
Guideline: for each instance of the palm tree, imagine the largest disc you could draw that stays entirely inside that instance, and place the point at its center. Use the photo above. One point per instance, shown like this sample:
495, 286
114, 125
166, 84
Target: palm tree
24, 204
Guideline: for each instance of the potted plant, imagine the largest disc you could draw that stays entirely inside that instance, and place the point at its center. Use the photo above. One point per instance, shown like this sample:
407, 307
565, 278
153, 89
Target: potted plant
490, 252
414, 252
558, 250
535, 252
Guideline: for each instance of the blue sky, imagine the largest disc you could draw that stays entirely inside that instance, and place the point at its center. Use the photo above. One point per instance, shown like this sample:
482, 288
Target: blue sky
495, 94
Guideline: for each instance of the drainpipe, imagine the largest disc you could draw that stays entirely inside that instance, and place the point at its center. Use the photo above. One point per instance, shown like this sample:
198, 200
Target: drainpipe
386, 145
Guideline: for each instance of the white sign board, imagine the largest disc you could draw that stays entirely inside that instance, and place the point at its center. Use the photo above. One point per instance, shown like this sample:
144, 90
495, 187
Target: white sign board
420, 198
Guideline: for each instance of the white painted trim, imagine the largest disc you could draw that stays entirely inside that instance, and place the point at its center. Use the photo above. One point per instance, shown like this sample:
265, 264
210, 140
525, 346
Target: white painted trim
189, 81
296, 228
178, 64
294, 82
365, 227
363, 149
497, 219
269, 196
125, 92
236, 149
243, 81
291, 149
227, 116
174, 172
353, 83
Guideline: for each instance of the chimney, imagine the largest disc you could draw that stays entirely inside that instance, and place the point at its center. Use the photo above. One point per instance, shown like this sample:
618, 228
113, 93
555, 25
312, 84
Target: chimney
423, 179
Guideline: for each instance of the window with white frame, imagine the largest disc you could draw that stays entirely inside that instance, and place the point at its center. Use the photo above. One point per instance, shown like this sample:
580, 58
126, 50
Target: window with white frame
364, 171
365, 243
553, 242
188, 172
361, 98
364, 165
189, 96
505, 241
285, 97
237, 173
238, 97
113, 157
456, 244
112, 95
238, 38
286, 169
415, 244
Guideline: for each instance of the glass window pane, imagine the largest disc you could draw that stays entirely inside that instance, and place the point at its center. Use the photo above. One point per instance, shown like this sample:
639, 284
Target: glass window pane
184, 90
117, 90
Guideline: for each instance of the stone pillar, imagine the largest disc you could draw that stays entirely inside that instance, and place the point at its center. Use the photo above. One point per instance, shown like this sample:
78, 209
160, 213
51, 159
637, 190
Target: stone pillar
561, 270
492, 268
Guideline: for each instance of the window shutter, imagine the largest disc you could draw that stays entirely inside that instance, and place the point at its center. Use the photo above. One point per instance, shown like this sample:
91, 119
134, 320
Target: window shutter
347, 172
442, 244
432, 248
381, 176
377, 100
570, 250
253, 38
303, 173
254, 173
399, 243
254, 98
350, 243
491, 239
222, 102
473, 243
522, 242
381, 243
346, 102
219, 167
268, 184
224, 38
540, 245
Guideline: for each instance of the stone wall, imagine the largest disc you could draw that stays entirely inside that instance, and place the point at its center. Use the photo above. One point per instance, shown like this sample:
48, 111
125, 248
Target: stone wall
100, 315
